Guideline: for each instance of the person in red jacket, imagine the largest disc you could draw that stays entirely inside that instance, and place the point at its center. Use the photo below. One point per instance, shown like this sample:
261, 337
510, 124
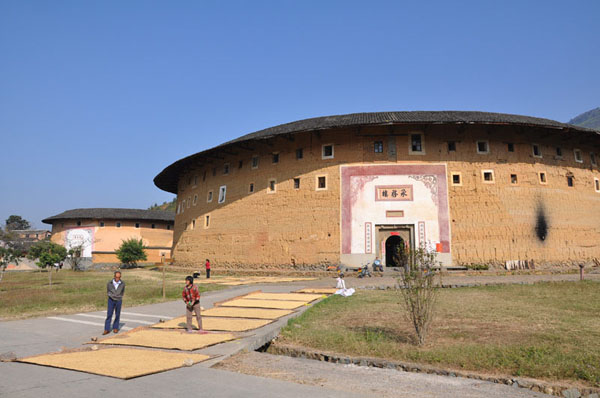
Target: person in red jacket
191, 297
207, 265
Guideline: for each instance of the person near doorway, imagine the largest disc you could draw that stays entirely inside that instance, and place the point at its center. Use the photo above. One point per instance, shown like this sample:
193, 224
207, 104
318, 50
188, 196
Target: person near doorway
115, 290
377, 265
191, 297
207, 266
341, 287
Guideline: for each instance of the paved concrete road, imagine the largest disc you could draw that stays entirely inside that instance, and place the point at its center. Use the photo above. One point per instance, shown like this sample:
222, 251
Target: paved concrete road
50, 334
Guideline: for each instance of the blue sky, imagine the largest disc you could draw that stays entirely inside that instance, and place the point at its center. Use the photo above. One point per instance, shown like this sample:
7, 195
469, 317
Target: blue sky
97, 97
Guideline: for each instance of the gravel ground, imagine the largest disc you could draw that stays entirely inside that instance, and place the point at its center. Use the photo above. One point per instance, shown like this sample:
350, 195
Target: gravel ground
367, 381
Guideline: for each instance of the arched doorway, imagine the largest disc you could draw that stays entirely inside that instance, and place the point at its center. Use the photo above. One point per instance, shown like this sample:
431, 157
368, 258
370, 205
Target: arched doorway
395, 251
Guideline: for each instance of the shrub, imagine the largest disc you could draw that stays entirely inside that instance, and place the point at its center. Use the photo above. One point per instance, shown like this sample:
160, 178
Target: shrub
131, 252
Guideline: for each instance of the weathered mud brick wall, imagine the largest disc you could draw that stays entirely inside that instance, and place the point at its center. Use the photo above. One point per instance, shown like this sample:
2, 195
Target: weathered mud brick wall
527, 211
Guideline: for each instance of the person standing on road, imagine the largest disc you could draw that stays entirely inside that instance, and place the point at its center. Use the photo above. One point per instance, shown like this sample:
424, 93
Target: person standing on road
115, 290
207, 265
191, 297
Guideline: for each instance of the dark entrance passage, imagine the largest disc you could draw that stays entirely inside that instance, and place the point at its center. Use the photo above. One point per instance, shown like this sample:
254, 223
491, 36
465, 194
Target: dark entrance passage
395, 251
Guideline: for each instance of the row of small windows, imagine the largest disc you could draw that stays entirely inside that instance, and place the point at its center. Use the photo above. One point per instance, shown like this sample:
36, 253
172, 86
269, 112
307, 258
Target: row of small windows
483, 148
327, 152
321, 184
118, 225
488, 177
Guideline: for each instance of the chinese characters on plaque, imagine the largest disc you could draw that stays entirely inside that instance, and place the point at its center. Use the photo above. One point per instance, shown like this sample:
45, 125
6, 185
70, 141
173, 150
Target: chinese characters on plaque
368, 237
393, 192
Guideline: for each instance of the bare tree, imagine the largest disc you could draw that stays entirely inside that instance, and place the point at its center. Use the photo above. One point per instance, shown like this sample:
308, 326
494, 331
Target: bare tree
419, 291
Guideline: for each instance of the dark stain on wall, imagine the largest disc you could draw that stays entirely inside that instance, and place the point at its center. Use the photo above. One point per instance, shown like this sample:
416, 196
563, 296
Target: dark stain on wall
541, 222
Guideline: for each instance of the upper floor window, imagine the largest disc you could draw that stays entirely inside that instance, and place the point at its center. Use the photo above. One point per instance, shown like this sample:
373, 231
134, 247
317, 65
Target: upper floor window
378, 146
451, 146
275, 157
570, 180
255, 162
226, 168
209, 197
78, 223
214, 171
578, 157
101, 224
483, 147
488, 176
195, 199
272, 186
597, 184
168, 227
542, 176
222, 193
510, 147
537, 152
251, 187
189, 202
559, 152
456, 179
204, 176
593, 159
416, 144
514, 179
321, 183
118, 224
195, 180
240, 164
299, 153
327, 151
137, 224
153, 226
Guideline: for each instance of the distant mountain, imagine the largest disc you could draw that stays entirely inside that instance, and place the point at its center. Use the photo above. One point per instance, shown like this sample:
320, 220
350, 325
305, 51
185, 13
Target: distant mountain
589, 119
169, 206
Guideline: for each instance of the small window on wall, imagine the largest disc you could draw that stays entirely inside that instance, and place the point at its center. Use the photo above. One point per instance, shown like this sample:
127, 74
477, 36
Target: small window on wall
189, 202
240, 164
209, 197
195, 180
222, 193
195, 200
255, 162
78, 223
101, 224
597, 184
542, 176
207, 221
537, 152
118, 224
153, 226
488, 176
251, 187
578, 157
137, 224
204, 176
483, 147
321, 183
416, 146
299, 153
226, 168
168, 227
296, 183
514, 179
559, 152
327, 151
275, 157
593, 159
456, 179
570, 179
193, 224
378, 146
510, 147
272, 186
214, 171
451, 146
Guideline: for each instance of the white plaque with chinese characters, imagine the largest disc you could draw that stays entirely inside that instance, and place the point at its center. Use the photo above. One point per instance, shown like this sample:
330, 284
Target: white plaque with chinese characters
393, 193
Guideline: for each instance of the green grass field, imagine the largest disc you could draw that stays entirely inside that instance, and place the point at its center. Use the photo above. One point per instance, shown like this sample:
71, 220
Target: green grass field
548, 331
27, 294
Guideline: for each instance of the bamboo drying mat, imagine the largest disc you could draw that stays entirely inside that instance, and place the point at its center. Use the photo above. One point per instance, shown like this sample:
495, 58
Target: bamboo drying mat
277, 304
122, 363
239, 312
171, 339
208, 323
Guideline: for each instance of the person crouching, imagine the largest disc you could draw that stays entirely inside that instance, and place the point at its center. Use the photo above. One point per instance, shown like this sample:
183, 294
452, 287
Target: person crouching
191, 297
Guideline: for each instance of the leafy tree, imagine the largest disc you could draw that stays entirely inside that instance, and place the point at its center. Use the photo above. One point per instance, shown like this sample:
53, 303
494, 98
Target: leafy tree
16, 222
419, 291
47, 253
8, 254
131, 252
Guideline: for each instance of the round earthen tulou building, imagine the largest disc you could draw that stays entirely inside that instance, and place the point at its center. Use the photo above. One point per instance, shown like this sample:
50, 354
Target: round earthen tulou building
479, 188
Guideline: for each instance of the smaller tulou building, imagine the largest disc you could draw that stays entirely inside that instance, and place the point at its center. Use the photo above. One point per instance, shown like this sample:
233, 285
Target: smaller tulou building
100, 232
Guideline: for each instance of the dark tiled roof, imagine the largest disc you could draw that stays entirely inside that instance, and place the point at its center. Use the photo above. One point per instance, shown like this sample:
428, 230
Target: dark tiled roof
167, 179
113, 214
